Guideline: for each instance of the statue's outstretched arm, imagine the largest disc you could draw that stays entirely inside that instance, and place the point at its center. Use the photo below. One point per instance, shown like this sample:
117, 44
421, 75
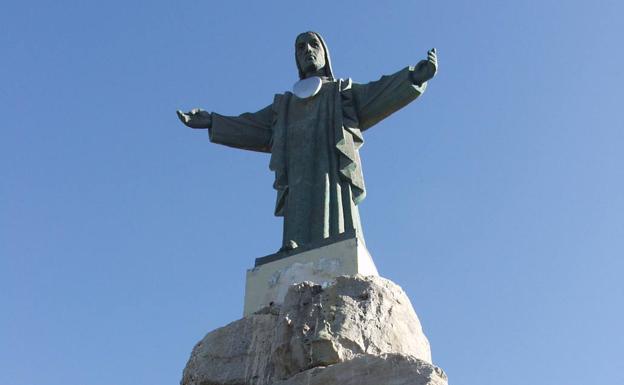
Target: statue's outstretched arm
248, 131
376, 100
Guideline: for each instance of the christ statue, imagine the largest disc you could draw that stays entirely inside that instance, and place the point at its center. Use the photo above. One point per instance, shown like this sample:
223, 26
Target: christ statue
314, 134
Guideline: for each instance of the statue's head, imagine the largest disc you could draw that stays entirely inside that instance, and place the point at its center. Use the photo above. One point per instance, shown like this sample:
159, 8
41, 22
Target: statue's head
312, 55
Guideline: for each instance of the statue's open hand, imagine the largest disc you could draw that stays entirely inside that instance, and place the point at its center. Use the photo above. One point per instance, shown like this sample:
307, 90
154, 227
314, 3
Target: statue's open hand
426, 69
196, 118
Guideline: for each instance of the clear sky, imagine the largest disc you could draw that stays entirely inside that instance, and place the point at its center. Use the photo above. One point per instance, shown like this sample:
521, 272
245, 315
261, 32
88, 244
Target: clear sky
496, 200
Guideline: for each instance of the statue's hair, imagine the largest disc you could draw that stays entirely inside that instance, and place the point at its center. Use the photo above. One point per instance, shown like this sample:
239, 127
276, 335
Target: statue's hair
328, 68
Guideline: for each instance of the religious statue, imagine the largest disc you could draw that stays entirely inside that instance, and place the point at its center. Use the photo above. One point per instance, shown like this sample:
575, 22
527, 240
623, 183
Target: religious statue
313, 135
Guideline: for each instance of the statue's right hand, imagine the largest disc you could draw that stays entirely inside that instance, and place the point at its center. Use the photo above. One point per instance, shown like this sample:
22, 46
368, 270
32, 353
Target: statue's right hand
196, 118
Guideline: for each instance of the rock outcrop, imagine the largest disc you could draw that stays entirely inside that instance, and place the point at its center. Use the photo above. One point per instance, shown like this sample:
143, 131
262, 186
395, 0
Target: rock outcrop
395, 369
359, 330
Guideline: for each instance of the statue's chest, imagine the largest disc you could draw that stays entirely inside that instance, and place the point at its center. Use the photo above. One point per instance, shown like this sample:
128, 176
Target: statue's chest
313, 115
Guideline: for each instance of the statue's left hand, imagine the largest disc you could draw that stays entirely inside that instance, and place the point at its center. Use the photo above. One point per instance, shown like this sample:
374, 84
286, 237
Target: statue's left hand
426, 69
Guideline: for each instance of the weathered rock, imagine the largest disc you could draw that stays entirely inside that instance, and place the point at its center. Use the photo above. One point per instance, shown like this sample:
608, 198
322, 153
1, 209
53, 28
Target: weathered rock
356, 315
355, 318
394, 369
238, 353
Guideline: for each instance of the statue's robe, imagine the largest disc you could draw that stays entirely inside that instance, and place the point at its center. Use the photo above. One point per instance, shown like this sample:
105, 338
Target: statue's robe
314, 145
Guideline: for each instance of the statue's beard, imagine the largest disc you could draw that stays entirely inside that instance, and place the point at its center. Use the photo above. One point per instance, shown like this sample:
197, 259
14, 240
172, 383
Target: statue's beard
312, 67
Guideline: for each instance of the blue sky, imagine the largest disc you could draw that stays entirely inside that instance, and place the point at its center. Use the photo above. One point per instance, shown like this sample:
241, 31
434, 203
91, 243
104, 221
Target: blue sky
496, 200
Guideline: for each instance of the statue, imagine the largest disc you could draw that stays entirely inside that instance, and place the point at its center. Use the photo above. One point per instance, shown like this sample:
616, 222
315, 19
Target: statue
313, 135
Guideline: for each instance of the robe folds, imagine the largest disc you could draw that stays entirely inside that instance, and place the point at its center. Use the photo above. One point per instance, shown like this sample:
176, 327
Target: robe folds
314, 145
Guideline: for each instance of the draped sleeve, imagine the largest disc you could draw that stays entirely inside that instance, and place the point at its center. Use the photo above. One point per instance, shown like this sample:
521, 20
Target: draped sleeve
248, 131
376, 100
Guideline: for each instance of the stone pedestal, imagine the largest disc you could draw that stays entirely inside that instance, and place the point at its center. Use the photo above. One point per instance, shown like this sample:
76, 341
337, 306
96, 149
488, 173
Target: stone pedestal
356, 331
268, 282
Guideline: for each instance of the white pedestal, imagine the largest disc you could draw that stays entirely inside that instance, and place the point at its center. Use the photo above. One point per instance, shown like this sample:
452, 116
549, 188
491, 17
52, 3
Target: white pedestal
268, 283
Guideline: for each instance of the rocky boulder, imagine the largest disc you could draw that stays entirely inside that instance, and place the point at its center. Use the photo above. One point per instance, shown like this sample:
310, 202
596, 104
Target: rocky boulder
386, 369
357, 323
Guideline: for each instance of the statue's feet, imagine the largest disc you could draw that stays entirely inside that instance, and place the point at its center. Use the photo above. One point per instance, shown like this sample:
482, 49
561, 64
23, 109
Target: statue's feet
289, 245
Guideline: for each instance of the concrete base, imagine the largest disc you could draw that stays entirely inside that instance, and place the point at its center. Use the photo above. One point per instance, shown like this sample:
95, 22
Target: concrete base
268, 282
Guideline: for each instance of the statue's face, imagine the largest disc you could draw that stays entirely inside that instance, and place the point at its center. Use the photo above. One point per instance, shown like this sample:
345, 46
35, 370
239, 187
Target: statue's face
310, 53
